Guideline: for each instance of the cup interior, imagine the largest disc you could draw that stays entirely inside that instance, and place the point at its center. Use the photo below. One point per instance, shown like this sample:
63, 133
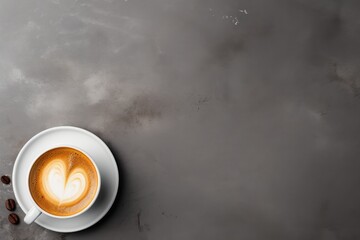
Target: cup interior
93, 199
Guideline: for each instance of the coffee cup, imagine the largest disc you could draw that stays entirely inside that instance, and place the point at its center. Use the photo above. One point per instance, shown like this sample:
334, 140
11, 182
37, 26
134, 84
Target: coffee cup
63, 182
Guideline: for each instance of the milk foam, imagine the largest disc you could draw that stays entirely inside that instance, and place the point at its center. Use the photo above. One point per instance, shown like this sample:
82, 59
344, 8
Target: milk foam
61, 185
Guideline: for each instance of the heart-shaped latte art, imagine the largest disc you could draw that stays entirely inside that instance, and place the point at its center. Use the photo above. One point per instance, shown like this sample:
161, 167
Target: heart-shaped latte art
63, 186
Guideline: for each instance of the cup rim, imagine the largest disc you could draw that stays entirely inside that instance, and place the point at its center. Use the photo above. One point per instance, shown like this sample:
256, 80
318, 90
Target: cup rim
92, 201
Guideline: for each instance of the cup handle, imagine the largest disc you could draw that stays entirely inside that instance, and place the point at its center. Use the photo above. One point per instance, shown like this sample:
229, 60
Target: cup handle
32, 215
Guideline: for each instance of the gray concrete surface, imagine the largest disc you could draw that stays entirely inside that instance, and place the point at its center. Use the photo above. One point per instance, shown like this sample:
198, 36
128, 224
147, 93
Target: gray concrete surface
231, 119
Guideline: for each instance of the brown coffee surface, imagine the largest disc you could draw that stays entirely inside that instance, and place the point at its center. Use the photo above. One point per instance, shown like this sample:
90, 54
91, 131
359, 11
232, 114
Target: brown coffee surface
63, 181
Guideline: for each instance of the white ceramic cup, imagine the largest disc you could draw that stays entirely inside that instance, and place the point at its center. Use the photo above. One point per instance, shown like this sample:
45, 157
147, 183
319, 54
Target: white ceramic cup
36, 211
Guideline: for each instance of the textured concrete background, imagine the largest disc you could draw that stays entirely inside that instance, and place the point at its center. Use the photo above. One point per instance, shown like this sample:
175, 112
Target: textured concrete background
231, 119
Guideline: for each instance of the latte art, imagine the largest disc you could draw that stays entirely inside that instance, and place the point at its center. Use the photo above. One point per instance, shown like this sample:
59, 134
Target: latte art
63, 181
62, 186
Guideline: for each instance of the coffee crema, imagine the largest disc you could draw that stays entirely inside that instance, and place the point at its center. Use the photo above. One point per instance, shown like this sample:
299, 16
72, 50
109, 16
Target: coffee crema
63, 181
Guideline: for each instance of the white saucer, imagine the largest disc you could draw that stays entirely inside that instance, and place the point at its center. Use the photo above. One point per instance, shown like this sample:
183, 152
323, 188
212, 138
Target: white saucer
92, 145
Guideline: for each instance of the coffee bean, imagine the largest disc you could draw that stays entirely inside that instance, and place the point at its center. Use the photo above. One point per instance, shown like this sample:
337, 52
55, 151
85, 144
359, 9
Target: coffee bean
10, 204
13, 218
5, 179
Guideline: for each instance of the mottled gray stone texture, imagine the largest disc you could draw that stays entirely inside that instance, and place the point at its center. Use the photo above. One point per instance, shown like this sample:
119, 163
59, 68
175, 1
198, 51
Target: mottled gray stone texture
229, 119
